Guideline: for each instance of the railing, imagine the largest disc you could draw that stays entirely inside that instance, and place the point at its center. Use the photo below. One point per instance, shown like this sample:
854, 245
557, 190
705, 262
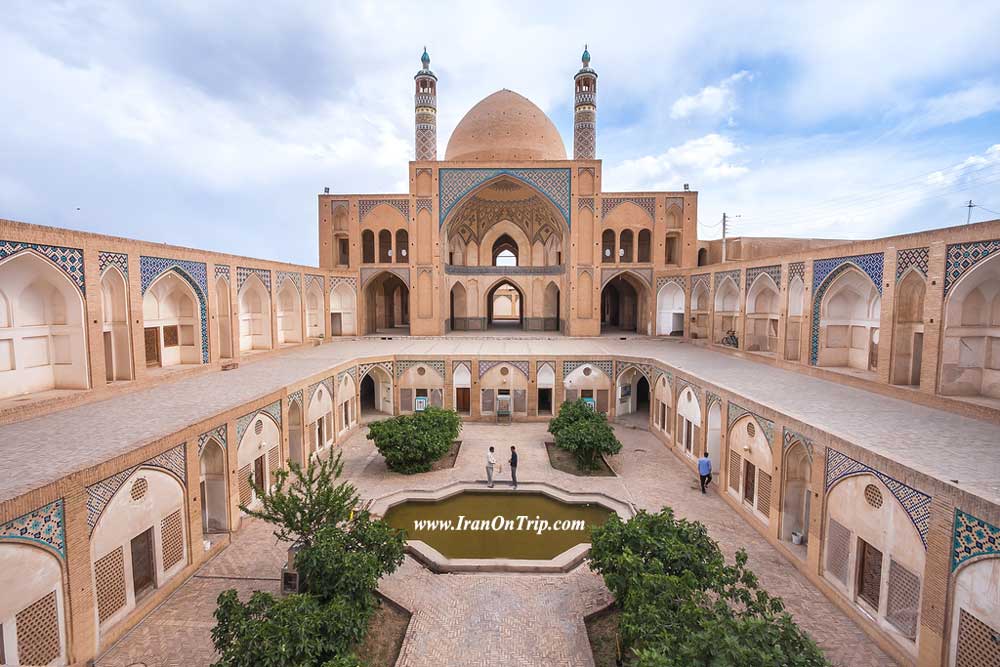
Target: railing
459, 270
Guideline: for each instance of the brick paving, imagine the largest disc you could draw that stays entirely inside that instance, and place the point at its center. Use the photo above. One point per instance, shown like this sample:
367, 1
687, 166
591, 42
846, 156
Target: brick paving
494, 619
44, 449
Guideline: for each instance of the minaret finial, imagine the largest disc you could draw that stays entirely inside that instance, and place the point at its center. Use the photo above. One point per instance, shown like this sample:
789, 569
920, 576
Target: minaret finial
586, 55
425, 59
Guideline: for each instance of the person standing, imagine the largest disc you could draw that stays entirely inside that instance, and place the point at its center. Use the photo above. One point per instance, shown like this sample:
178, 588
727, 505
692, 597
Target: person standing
705, 471
491, 462
513, 466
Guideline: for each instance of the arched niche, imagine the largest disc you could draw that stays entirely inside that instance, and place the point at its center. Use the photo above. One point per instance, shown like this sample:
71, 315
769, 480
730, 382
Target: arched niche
459, 319
974, 615
138, 544
214, 496
589, 381
117, 339
255, 315
908, 329
624, 304
751, 466
386, 304
796, 495
873, 555
289, 314
970, 352
670, 310
314, 310
296, 446
849, 322
257, 457
632, 392
663, 401
172, 322
319, 418
762, 315
224, 321
32, 608
688, 433
343, 305
713, 437
375, 391
793, 325
43, 345
346, 402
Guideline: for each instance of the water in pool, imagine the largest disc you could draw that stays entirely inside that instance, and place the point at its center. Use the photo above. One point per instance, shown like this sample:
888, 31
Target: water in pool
529, 526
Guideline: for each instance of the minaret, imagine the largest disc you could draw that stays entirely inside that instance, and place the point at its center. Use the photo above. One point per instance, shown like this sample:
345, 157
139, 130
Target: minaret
585, 118
425, 110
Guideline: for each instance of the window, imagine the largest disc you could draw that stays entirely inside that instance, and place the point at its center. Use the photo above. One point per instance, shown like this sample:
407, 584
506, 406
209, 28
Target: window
343, 252
506, 258
258, 471
671, 250
869, 573
749, 482
171, 336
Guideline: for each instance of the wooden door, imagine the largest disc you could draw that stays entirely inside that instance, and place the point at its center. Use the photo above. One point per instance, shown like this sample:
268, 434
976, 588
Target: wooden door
463, 399
152, 338
143, 574
258, 470
749, 482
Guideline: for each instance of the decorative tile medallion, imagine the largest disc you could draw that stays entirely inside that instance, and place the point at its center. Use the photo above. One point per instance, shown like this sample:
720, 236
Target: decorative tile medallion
273, 411
647, 204
117, 259
403, 366
825, 272
366, 206
455, 184
44, 526
737, 411
282, 276
797, 269
70, 260
915, 257
99, 495
973, 538
963, 256
733, 275
773, 271
218, 434
790, 437
916, 503
605, 367
364, 369
244, 272
680, 281
194, 273
485, 366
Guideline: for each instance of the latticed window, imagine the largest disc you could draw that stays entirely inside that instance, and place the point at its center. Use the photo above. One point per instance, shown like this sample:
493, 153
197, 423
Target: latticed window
869, 574
246, 492
406, 399
763, 493
978, 643
735, 463
109, 577
38, 632
172, 538
838, 550
903, 599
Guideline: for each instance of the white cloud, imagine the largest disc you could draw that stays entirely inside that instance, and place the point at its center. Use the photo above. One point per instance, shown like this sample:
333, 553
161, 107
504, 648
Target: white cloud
710, 102
707, 158
954, 107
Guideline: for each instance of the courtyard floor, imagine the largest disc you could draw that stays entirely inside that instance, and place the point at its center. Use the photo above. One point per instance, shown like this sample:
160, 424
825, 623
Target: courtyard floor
473, 620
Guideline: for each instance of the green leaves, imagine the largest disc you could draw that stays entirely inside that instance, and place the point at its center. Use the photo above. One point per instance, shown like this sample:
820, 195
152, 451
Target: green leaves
683, 605
304, 500
412, 443
584, 432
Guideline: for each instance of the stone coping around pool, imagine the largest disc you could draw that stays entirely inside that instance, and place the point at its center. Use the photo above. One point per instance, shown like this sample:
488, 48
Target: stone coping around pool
437, 562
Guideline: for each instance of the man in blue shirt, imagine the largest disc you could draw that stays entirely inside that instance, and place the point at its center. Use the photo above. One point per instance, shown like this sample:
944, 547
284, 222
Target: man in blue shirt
705, 471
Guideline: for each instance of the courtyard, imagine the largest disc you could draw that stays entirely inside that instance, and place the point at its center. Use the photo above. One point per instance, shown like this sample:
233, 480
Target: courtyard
492, 618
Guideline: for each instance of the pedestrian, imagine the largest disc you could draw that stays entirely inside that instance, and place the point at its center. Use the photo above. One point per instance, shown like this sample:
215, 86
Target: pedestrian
491, 462
705, 471
513, 466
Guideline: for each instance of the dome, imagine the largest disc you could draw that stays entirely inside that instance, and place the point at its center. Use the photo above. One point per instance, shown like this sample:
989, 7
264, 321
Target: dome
502, 127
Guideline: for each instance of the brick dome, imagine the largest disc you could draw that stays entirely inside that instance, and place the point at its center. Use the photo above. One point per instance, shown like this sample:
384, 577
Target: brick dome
505, 126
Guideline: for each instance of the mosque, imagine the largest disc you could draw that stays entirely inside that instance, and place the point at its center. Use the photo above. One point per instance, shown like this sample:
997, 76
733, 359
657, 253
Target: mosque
848, 393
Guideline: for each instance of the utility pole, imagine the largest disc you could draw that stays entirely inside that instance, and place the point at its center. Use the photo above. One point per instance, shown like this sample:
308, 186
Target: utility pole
724, 237
968, 218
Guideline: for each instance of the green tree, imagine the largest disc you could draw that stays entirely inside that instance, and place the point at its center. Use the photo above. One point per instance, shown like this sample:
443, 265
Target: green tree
587, 440
572, 412
412, 443
304, 500
297, 630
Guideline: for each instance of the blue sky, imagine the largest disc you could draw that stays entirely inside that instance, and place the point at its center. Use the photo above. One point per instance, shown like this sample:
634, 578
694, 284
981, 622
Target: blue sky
215, 124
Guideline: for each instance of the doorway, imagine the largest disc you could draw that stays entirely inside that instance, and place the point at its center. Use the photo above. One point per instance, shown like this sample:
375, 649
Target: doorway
152, 339
143, 575
545, 401
463, 400
367, 393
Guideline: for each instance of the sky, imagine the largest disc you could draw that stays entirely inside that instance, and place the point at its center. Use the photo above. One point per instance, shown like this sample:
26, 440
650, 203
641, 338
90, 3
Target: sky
215, 124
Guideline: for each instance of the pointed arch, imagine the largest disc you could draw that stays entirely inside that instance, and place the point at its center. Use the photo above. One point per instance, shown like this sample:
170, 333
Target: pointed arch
314, 309
670, 310
172, 321
255, 315
214, 496
33, 583
44, 345
289, 313
762, 310
117, 339
847, 306
343, 310
908, 328
970, 353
